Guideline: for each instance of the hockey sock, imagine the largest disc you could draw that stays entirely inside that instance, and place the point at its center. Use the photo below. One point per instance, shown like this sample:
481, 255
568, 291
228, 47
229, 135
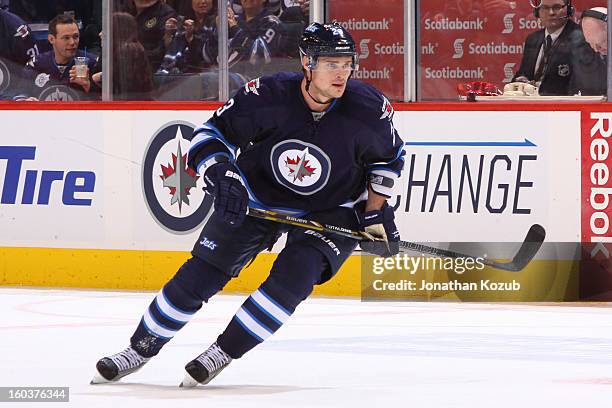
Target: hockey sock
175, 304
291, 280
257, 319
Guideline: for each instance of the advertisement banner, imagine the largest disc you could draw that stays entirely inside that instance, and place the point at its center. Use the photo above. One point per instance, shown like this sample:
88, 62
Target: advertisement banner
596, 276
379, 35
80, 182
108, 195
119, 180
463, 41
489, 180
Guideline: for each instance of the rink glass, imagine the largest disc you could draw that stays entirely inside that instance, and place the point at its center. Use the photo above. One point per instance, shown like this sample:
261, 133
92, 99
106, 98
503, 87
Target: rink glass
412, 50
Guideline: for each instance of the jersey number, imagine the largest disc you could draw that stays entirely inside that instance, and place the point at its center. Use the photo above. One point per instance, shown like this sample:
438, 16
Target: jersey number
269, 35
32, 52
225, 107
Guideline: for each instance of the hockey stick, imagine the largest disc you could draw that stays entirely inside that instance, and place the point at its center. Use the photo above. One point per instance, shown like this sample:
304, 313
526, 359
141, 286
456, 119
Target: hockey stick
532, 243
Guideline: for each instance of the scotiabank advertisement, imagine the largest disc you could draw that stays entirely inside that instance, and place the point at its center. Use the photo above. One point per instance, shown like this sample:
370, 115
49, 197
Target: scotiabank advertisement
470, 40
378, 31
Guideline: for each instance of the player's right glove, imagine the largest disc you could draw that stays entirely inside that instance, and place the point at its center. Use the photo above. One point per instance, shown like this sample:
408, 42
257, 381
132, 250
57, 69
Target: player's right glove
223, 181
380, 224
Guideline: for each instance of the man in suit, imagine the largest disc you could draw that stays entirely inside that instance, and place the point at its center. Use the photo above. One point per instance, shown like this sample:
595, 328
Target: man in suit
547, 56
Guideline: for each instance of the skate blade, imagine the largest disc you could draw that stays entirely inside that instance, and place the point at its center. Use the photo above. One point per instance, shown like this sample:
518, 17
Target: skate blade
188, 382
98, 379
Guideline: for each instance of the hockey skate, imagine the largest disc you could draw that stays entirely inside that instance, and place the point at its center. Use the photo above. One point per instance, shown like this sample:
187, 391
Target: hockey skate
206, 366
118, 365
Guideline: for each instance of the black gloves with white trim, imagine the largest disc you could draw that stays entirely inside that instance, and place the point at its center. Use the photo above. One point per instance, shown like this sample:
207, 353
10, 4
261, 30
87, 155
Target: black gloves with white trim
223, 181
380, 224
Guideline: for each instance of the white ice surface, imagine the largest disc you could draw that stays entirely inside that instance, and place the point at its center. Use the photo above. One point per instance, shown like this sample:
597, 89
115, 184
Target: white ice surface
331, 353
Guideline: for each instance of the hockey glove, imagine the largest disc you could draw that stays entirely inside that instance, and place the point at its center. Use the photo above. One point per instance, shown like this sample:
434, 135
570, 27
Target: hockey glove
223, 181
380, 224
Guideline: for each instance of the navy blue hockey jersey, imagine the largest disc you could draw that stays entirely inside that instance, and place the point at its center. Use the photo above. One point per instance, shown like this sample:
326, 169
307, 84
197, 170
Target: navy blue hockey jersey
291, 162
43, 79
16, 41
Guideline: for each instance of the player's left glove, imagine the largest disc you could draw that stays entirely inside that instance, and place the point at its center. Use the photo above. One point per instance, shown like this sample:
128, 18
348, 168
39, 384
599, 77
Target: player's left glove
223, 181
380, 224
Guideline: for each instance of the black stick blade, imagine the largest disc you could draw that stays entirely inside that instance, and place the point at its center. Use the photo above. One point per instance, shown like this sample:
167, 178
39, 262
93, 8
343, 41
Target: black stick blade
533, 241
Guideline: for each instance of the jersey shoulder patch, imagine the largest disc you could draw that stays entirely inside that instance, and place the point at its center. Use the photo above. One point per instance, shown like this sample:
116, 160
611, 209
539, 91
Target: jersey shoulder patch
252, 86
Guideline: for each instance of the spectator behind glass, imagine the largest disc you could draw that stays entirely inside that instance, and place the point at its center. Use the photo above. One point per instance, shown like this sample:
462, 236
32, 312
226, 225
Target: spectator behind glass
151, 17
17, 47
45, 10
295, 11
595, 27
590, 76
16, 42
287, 10
551, 66
56, 68
259, 38
201, 41
132, 75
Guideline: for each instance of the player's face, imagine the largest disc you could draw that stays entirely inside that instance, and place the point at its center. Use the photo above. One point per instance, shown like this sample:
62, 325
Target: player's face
201, 6
553, 14
66, 42
330, 76
595, 32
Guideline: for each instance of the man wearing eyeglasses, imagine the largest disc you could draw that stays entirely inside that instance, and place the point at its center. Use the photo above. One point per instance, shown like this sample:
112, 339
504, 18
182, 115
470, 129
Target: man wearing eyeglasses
547, 55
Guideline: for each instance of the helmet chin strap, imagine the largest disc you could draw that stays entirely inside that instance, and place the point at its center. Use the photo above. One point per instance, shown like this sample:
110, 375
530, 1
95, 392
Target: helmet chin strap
308, 80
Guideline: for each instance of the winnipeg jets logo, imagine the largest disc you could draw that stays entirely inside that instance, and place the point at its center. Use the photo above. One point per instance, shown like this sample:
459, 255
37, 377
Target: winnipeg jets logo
252, 86
387, 110
208, 243
301, 167
58, 93
170, 187
179, 179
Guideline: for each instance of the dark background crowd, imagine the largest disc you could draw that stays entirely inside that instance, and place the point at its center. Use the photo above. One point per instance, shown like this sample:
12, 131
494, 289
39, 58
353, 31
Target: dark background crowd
161, 49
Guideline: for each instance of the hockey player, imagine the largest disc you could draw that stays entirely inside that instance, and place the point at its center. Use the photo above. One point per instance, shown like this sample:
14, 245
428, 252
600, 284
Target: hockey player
314, 143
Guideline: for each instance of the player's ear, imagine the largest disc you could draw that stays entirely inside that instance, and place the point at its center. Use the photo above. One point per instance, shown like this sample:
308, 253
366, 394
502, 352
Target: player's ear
51, 38
305, 61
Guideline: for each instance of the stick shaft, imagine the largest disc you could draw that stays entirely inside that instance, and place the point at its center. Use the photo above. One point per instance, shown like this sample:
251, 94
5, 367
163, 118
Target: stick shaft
528, 249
